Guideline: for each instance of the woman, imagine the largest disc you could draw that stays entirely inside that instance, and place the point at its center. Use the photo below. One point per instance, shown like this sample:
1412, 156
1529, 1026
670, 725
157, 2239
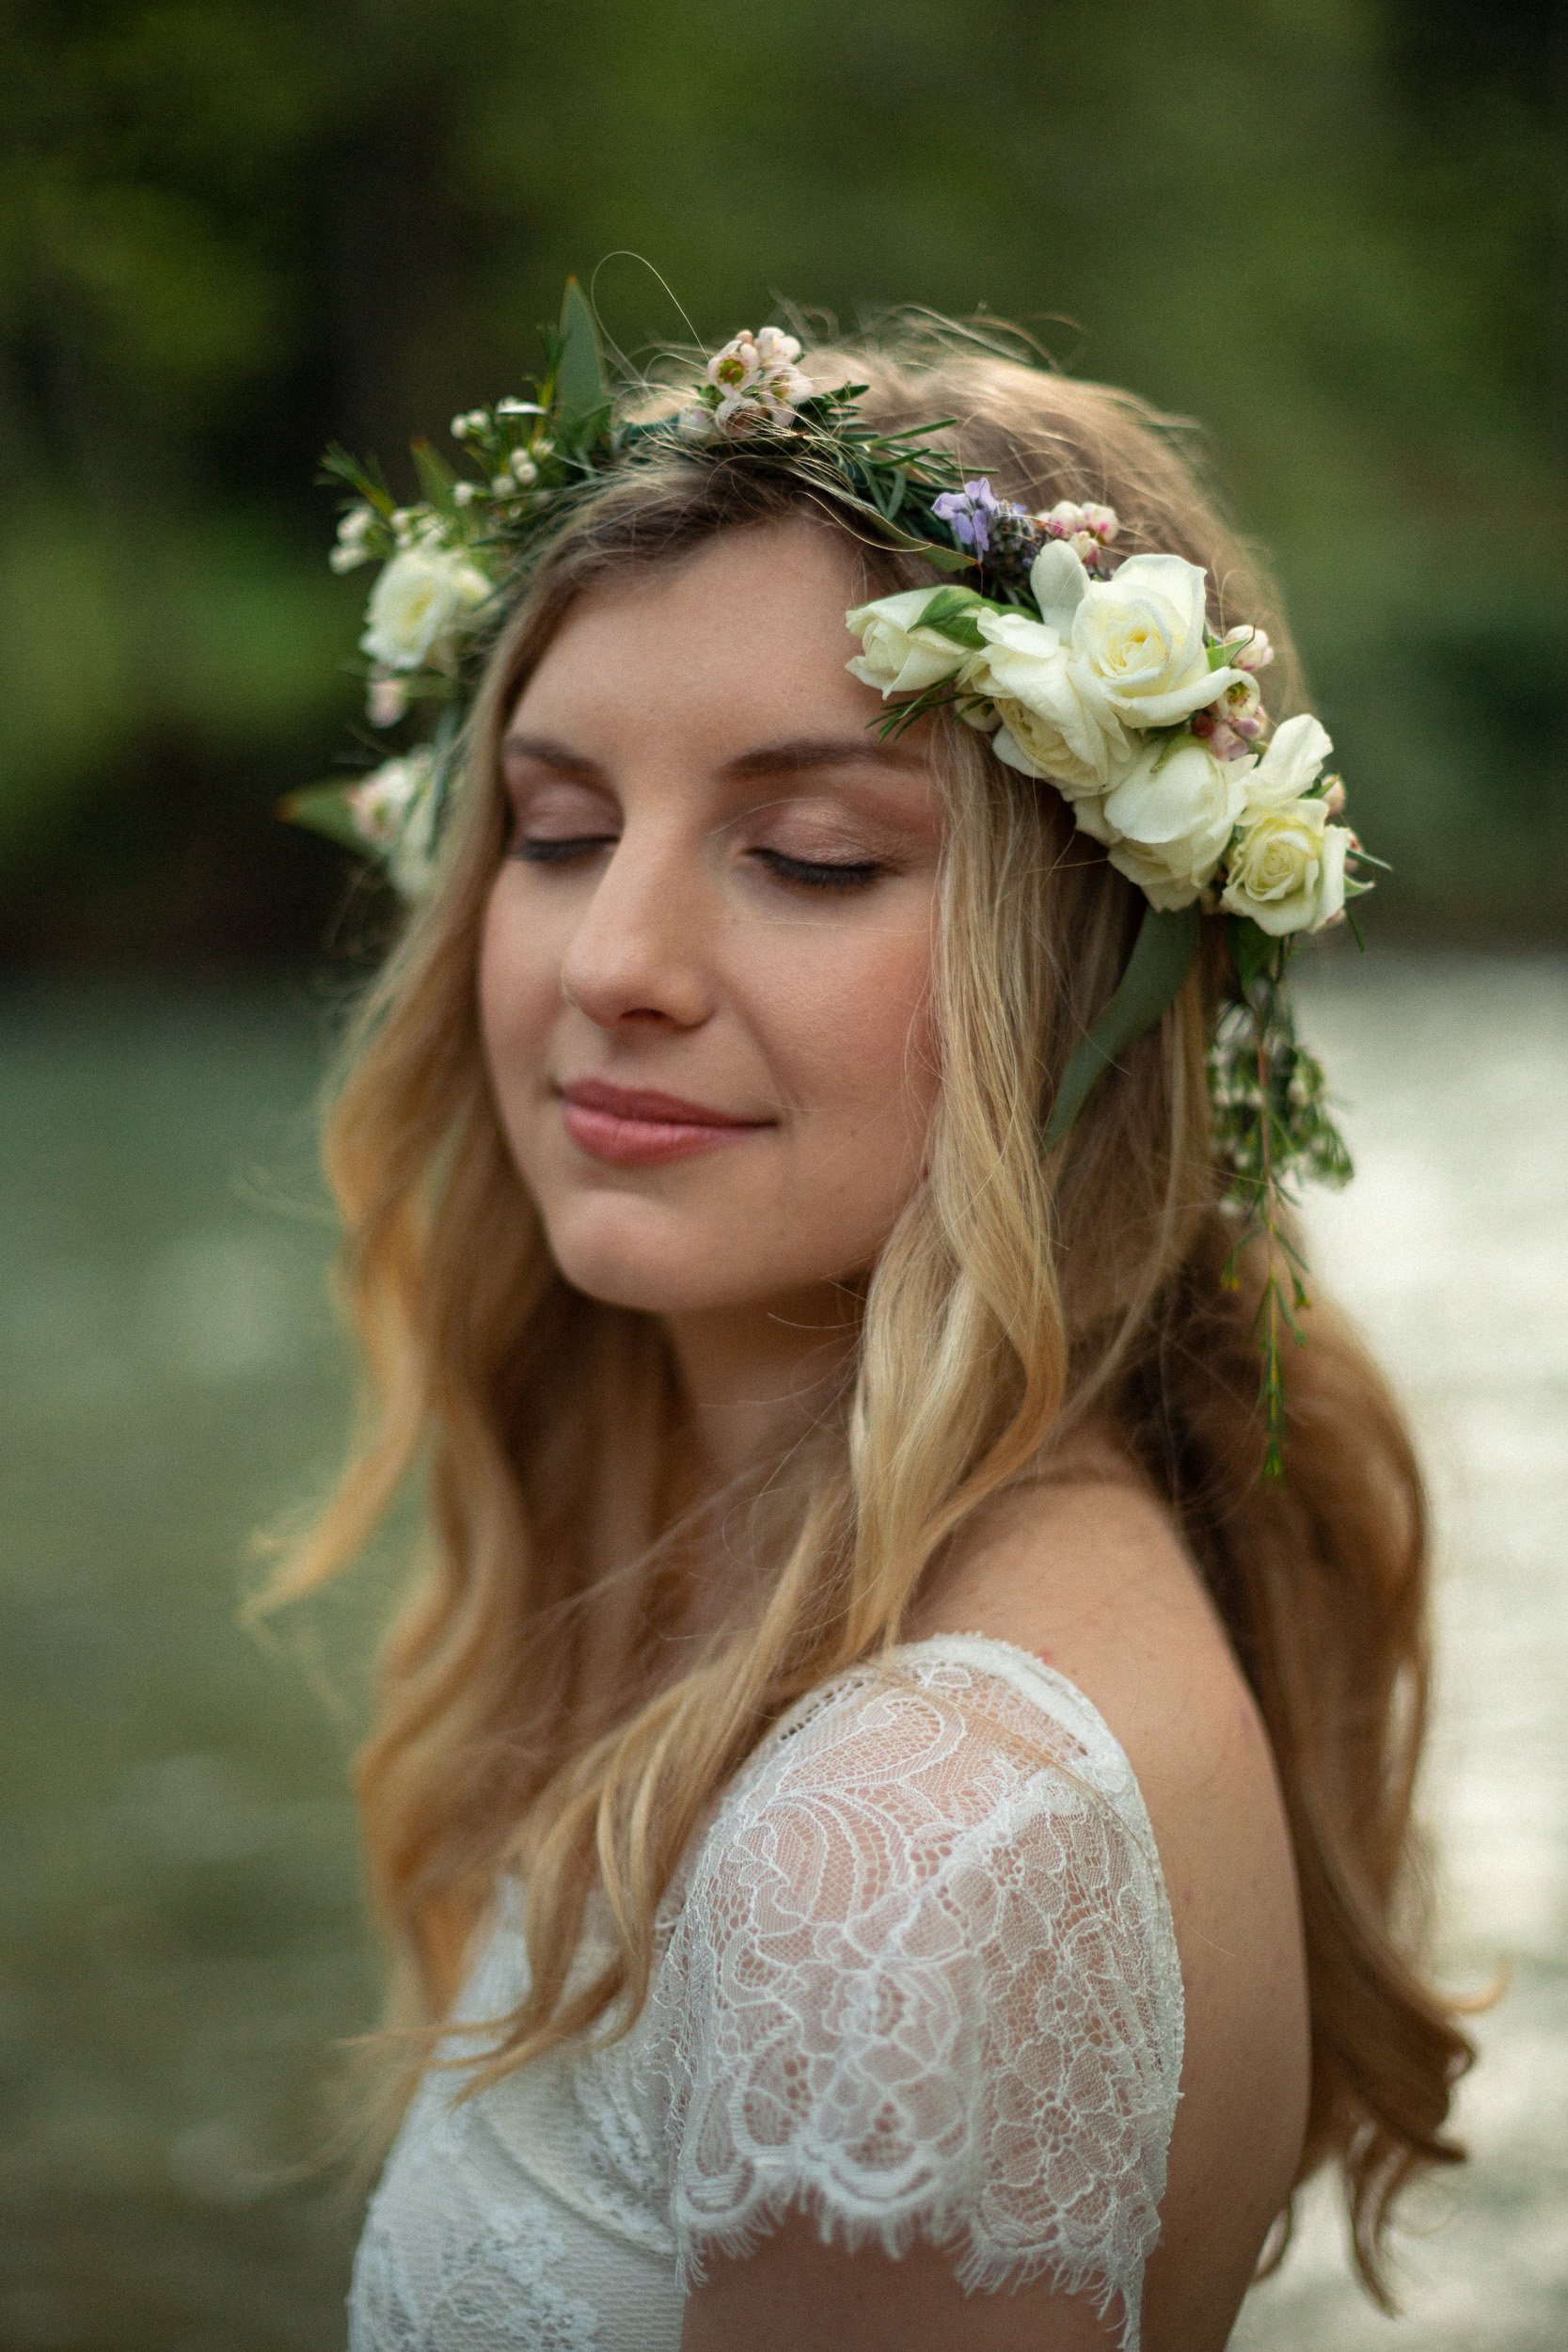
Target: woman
963, 1813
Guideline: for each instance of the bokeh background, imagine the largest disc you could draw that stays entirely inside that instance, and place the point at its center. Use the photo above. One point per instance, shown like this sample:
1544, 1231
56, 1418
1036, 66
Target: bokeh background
1329, 229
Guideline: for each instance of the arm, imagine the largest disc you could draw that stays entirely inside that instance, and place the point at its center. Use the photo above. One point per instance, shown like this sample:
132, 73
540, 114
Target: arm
796, 2294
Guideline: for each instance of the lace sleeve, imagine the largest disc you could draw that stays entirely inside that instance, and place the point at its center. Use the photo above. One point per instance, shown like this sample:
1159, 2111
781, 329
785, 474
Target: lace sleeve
920, 1980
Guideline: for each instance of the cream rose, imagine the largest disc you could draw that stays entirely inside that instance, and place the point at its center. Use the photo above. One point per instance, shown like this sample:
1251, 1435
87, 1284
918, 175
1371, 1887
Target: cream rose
1136, 643
419, 597
1048, 728
1287, 870
897, 657
1169, 819
1295, 753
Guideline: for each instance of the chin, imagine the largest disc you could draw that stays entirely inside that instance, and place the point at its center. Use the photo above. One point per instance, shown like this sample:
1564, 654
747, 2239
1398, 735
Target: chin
641, 1262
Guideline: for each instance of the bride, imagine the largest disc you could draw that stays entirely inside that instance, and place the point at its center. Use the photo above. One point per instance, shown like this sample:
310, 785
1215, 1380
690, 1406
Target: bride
891, 1832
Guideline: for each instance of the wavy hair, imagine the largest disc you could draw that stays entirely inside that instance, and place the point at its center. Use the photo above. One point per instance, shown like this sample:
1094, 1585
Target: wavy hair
527, 1713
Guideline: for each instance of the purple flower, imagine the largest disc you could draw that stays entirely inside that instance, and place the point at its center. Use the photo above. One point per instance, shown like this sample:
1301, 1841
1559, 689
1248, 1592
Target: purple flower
967, 514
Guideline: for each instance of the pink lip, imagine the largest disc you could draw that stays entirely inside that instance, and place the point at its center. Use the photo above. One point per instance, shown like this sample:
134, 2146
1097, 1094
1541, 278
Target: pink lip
639, 1128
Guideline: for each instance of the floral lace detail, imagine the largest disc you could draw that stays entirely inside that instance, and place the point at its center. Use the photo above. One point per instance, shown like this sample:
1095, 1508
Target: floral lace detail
922, 1980
451, 2262
917, 1977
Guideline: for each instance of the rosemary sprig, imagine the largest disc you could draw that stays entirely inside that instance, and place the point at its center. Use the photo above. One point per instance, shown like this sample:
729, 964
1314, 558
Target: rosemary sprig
1272, 1130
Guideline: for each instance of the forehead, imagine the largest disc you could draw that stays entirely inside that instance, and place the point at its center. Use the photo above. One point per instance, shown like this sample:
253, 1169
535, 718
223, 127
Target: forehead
754, 614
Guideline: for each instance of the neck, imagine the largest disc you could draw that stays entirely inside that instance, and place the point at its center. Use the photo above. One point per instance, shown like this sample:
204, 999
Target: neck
752, 1375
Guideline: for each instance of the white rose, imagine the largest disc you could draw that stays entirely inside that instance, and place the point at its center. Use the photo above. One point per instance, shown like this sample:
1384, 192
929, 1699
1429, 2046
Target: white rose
1290, 764
1049, 729
898, 656
1170, 817
1136, 641
1287, 868
421, 594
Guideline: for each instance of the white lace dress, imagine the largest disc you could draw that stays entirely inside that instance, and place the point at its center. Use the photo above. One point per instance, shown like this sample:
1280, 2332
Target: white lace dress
917, 1977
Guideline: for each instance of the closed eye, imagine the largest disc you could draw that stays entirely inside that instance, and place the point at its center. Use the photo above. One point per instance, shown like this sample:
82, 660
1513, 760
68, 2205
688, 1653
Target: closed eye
543, 850
820, 874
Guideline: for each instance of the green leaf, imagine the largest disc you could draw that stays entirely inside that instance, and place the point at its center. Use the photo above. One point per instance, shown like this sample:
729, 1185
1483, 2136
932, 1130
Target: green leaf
1221, 656
578, 434
1162, 957
324, 808
1252, 948
366, 481
950, 614
436, 478
580, 387
939, 559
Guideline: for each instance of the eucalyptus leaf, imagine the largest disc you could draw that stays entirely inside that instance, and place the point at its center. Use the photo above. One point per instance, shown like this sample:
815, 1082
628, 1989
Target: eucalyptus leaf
324, 808
580, 385
1252, 948
1161, 959
437, 477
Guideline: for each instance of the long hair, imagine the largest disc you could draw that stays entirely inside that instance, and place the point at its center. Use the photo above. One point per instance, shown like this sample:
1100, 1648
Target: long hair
529, 1715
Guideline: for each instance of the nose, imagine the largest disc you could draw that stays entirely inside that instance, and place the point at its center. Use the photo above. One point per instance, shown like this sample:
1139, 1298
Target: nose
637, 956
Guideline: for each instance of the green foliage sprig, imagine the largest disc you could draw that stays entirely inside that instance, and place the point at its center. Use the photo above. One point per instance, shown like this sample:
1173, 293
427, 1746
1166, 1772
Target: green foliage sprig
1272, 1130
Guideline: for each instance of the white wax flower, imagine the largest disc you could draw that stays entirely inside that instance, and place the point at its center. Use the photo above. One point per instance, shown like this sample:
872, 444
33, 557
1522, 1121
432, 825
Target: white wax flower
350, 550
1297, 750
1135, 642
757, 380
381, 804
1286, 869
1050, 727
738, 364
394, 811
420, 596
1170, 816
898, 656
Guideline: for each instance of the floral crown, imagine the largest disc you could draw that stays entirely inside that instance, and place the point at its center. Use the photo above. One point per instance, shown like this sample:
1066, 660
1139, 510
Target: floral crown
1101, 677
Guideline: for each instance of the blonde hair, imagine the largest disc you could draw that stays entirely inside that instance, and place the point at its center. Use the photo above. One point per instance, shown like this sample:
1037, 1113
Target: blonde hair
522, 1716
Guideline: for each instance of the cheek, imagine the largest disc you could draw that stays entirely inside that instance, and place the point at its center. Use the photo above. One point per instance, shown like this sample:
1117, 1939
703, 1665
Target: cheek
850, 1027
519, 997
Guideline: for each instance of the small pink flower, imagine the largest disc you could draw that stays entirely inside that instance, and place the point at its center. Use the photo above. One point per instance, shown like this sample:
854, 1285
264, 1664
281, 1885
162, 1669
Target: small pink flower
385, 700
1253, 649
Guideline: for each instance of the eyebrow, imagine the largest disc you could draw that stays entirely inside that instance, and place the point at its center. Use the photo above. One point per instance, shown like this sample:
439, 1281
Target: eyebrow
797, 756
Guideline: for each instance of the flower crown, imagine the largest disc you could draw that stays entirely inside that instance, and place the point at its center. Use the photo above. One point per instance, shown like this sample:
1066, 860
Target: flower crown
1101, 677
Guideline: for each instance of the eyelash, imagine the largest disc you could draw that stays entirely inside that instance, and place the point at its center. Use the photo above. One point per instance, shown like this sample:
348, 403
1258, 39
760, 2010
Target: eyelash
554, 852
814, 874
804, 873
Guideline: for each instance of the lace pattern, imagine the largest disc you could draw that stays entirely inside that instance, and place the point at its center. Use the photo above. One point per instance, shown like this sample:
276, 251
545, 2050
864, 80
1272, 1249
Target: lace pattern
923, 1981
917, 1978
455, 2259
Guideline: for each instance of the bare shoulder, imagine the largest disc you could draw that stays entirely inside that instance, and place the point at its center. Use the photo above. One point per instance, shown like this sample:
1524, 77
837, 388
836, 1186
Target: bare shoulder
1088, 1571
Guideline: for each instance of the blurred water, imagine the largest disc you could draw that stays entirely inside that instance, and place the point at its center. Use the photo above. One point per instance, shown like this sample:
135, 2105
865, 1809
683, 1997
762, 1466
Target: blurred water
1453, 1246
181, 1929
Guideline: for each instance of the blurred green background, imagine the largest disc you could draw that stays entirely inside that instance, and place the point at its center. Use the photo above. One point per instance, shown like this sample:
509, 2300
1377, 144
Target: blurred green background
1328, 228
232, 229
